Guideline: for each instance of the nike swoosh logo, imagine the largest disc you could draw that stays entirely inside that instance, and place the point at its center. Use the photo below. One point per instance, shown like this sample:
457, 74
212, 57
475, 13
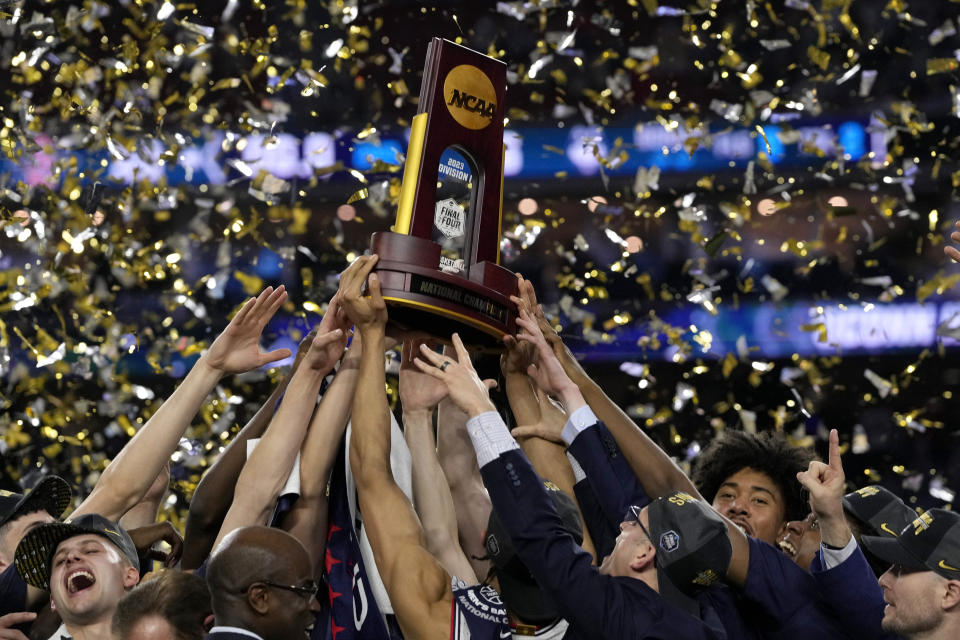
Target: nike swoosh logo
884, 527
116, 533
944, 565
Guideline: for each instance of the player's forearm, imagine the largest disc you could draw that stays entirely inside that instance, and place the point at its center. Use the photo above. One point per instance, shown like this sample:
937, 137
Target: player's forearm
281, 442
268, 467
654, 469
370, 443
470, 499
125, 481
431, 495
454, 449
522, 398
326, 429
215, 489
142, 514
307, 522
214, 493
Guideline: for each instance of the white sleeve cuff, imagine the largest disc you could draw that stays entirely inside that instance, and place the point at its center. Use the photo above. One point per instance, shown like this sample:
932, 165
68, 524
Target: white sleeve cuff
578, 472
835, 557
577, 422
490, 437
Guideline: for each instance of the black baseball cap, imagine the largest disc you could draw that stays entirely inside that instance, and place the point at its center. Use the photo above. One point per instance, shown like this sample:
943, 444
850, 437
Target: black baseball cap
36, 550
52, 494
520, 591
692, 543
881, 511
930, 543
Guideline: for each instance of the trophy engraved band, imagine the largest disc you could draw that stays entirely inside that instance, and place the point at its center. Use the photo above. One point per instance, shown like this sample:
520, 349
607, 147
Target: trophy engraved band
438, 268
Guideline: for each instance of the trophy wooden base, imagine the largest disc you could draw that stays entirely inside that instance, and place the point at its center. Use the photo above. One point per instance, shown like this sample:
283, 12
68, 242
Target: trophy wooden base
423, 299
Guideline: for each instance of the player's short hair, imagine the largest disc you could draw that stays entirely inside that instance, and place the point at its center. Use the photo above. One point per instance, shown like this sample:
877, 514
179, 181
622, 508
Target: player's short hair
179, 597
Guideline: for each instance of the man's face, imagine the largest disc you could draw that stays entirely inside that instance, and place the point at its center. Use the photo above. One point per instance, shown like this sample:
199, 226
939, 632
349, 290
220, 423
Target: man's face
14, 532
753, 501
632, 551
913, 601
800, 540
293, 613
88, 575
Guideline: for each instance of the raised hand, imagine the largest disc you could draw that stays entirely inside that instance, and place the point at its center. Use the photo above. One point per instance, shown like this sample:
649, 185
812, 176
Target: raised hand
548, 427
418, 391
825, 483
325, 349
527, 300
363, 311
464, 386
335, 317
548, 373
517, 356
303, 348
237, 349
952, 251
145, 537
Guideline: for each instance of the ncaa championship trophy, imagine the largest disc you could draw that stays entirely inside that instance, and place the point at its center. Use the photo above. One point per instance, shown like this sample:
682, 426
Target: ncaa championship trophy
438, 268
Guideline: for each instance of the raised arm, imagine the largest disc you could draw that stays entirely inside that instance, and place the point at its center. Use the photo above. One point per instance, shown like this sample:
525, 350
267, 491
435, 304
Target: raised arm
844, 578
266, 470
825, 483
532, 408
419, 396
657, 473
144, 513
307, 520
419, 588
586, 598
552, 377
470, 499
214, 493
128, 477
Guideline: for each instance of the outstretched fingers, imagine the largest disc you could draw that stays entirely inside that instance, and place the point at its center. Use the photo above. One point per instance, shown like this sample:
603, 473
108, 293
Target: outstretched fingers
273, 304
427, 368
463, 356
241, 316
531, 332
431, 356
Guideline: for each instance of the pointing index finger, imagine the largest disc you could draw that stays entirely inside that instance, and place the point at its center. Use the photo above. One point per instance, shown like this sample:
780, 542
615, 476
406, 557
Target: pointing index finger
833, 458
